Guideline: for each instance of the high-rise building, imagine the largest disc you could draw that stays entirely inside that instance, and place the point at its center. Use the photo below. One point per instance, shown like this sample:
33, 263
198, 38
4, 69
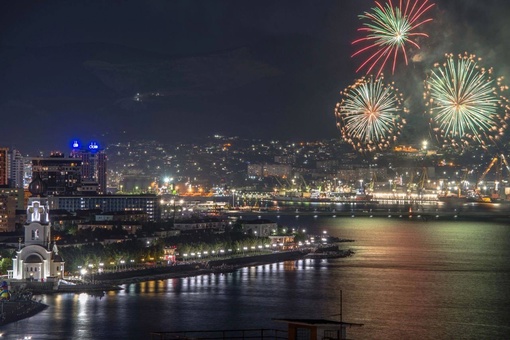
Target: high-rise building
62, 175
94, 162
4, 166
16, 169
27, 172
7, 213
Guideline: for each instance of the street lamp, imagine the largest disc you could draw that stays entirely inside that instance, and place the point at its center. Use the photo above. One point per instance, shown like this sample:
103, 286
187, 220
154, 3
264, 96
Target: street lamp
83, 271
91, 267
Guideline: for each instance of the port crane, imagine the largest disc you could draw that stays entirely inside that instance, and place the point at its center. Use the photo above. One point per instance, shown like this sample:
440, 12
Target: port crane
410, 184
499, 163
281, 186
422, 180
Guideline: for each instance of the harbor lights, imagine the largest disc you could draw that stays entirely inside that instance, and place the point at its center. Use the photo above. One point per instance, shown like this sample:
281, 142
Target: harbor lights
168, 181
324, 238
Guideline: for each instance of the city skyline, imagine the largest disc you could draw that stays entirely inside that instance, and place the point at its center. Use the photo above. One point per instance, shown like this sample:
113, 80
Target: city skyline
174, 71
191, 165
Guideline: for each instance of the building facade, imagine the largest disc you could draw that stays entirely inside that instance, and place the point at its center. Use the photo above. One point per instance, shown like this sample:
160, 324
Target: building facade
7, 213
61, 175
148, 204
16, 169
260, 227
4, 167
268, 170
201, 225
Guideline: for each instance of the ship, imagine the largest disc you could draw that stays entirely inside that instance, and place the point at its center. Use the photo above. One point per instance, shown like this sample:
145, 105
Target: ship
461, 199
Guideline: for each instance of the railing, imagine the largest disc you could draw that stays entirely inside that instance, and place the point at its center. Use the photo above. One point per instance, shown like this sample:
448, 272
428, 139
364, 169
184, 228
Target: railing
223, 334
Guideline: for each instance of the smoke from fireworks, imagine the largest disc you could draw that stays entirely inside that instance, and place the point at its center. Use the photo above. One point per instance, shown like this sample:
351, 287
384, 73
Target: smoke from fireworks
389, 30
465, 102
370, 114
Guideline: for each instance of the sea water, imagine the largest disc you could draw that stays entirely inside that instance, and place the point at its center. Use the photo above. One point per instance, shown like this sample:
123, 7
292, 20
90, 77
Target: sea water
408, 279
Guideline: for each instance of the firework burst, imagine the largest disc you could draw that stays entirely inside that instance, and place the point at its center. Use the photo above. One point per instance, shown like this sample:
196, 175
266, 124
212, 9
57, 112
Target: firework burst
389, 30
465, 102
370, 114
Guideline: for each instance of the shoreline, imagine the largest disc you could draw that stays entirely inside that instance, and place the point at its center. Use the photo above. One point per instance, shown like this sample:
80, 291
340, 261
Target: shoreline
103, 285
113, 281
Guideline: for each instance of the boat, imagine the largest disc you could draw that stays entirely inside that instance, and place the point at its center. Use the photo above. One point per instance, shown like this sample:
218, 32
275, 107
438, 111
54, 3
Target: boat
330, 254
452, 199
363, 197
224, 269
459, 200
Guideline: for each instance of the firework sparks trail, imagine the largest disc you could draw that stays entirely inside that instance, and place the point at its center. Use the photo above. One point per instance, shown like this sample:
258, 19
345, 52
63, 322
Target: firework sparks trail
465, 102
370, 114
389, 30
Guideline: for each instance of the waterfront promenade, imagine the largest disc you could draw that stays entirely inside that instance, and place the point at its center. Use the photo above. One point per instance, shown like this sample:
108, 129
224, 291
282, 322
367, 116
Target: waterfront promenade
197, 268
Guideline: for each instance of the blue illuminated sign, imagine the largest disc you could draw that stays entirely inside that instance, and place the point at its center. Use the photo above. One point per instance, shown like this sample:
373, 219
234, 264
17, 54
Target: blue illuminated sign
76, 145
93, 146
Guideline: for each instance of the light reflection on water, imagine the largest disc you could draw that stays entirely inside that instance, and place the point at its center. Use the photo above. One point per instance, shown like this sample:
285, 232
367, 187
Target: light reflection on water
407, 279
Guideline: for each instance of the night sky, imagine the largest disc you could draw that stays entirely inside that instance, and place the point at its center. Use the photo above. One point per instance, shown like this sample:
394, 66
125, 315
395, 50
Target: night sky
259, 69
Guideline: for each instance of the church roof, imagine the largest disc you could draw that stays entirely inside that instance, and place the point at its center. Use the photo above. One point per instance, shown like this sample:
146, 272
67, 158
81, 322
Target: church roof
33, 259
37, 187
56, 258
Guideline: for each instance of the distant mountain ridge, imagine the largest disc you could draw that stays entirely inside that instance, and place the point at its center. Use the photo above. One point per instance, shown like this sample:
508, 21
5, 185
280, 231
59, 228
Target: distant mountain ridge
272, 88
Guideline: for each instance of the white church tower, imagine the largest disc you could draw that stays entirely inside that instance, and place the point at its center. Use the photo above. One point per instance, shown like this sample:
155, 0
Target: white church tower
37, 260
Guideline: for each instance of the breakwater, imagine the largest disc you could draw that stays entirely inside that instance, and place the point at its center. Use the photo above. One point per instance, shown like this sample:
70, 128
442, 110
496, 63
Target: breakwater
12, 311
466, 212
